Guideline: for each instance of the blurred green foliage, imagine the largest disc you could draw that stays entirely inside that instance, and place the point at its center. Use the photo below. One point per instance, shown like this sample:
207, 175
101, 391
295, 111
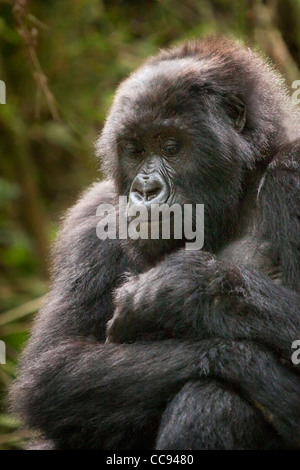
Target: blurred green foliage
85, 48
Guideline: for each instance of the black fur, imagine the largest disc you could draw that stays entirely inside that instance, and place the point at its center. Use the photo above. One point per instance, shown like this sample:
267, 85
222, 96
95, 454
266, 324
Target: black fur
206, 336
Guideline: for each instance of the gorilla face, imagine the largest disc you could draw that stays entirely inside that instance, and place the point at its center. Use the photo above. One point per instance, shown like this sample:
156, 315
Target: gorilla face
175, 140
152, 161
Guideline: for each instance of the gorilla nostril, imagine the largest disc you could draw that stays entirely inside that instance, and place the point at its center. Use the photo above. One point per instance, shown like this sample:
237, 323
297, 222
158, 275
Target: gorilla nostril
152, 194
137, 195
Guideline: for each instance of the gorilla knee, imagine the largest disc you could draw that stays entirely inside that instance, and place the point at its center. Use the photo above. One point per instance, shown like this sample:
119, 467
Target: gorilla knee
207, 415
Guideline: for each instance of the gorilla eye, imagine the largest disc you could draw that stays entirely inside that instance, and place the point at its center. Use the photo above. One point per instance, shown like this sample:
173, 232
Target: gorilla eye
170, 147
132, 149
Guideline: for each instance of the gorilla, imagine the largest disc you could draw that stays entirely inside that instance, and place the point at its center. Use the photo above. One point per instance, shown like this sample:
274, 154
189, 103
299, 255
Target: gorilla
143, 344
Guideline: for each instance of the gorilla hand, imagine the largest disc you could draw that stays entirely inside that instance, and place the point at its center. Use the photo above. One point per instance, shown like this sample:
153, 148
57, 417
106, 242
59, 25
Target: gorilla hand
161, 302
194, 294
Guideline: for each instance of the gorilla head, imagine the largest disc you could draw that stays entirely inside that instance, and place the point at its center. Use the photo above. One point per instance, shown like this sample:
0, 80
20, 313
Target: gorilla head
190, 126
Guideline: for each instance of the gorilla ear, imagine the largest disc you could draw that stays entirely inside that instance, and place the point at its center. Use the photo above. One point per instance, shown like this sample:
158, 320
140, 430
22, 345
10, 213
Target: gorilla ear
236, 110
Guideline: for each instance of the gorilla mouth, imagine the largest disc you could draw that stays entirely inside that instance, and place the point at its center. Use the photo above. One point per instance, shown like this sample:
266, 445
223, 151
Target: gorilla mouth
149, 219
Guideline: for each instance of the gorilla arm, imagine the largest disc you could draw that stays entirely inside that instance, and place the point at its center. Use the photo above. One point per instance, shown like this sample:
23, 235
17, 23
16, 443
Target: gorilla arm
94, 396
195, 295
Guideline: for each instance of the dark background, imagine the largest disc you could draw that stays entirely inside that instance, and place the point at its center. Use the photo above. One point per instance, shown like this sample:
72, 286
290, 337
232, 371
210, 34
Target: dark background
61, 62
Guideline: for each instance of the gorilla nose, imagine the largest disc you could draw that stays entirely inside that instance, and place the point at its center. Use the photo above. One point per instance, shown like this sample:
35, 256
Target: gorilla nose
148, 189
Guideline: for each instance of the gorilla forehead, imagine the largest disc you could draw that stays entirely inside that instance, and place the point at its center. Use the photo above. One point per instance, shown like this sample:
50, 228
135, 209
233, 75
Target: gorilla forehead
160, 91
